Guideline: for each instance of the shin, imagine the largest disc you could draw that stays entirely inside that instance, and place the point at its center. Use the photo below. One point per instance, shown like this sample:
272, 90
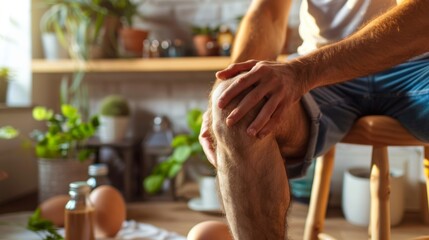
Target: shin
252, 177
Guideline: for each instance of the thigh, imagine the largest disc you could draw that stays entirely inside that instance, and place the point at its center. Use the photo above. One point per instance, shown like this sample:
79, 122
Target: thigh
340, 105
403, 93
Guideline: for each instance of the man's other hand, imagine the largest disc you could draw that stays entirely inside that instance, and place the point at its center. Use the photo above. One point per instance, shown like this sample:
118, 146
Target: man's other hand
206, 139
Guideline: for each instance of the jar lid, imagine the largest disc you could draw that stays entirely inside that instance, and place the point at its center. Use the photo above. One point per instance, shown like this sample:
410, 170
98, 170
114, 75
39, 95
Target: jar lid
98, 169
79, 187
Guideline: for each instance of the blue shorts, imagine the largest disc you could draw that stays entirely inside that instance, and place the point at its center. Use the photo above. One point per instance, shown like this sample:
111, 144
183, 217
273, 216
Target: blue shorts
401, 92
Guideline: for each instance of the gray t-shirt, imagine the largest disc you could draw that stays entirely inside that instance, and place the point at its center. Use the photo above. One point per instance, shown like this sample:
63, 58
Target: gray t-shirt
324, 22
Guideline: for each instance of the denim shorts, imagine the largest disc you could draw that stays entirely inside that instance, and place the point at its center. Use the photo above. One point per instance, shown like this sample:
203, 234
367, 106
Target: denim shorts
401, 92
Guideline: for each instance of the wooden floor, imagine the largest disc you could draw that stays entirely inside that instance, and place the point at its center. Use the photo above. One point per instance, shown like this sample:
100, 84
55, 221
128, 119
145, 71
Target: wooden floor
177, 217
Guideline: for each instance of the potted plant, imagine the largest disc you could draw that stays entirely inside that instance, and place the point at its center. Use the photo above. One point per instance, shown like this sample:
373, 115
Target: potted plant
118, 11
76, 24
204, 39
186, 149
51, 45
4, 83
114, 118
131, 38
61, 151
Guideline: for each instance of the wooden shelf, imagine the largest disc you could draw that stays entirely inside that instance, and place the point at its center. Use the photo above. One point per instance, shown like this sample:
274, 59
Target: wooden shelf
187, 64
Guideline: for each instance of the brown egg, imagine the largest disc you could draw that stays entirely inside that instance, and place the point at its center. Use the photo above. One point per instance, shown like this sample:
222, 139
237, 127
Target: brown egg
109, 210
210, 230
53, 209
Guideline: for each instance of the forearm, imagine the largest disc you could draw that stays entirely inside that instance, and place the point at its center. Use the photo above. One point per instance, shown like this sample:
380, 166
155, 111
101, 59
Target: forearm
392, 38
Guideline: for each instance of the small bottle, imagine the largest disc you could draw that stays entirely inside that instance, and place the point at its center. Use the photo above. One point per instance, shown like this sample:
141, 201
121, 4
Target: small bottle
225, 39
146, 48
98, 175
79, 213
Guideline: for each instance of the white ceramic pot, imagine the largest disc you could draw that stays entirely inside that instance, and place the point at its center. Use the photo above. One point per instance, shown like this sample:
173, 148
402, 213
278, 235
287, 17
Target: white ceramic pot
113, 129
52, 48
356, 196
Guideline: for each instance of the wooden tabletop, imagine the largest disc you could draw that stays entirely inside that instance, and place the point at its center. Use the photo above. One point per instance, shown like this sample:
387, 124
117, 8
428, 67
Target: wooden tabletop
172, 216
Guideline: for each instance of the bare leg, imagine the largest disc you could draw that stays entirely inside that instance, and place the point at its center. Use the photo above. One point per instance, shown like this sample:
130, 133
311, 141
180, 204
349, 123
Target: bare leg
251, 171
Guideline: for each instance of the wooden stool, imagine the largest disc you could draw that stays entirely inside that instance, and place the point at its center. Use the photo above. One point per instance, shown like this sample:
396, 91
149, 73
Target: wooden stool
379, 132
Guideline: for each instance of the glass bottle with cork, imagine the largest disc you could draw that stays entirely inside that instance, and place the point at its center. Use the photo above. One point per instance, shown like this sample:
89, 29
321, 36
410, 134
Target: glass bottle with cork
79, 213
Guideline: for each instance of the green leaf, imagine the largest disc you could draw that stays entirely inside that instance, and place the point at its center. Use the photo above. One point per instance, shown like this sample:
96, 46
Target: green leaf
165, 166
69, 111
42, 113
182, 153
37, 224
64, 90
195, 120
174, 170
179, 140
95, 121
152, 184
4, 72
196, 147
8, 132
84, 154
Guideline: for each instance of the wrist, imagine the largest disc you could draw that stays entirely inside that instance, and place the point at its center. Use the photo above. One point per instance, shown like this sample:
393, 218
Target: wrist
303, 74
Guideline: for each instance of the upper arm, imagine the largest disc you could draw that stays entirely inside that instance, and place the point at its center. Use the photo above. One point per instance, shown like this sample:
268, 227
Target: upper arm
275, 11
262, 31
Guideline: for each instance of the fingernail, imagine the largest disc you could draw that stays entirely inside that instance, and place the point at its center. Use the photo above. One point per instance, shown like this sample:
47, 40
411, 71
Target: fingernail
219, 74
251, 131
229, 122
220, 104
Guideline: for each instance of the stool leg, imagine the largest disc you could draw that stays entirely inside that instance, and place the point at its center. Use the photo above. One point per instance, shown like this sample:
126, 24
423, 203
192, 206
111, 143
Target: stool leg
319, 195
380, 192
426, 171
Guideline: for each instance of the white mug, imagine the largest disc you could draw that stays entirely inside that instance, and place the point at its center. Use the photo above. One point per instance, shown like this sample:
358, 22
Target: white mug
208, 193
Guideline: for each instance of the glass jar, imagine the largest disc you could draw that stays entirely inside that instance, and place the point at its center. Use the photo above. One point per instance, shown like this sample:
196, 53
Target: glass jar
98, 175
158, 141
157, 144
79, 213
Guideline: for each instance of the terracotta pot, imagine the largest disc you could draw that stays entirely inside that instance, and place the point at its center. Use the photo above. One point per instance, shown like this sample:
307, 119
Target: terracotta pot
132, 40
55, 175
205, 45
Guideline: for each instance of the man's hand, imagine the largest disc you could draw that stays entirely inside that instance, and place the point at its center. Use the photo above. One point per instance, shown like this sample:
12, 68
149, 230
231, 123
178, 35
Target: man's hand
206, 139
273, 81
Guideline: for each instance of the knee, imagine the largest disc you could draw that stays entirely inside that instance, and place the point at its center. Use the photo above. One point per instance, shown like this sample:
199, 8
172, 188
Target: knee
219, 115
236, 134
209, 230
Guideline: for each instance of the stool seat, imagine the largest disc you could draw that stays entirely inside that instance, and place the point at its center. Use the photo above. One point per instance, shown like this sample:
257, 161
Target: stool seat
380, 131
